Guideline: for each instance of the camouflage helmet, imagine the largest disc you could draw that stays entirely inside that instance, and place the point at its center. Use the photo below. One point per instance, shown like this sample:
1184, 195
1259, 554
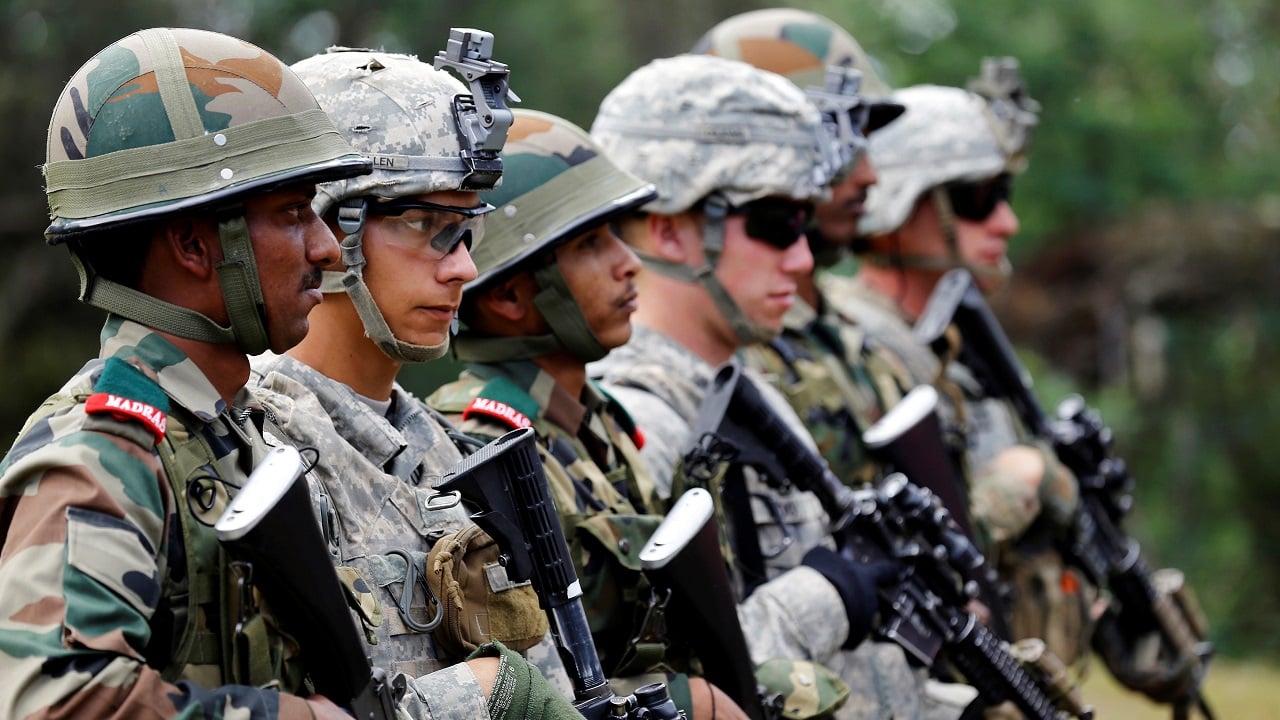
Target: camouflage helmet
948, 135
800, 46
695, 125
170, 119
407, 117
558, 184
395, 110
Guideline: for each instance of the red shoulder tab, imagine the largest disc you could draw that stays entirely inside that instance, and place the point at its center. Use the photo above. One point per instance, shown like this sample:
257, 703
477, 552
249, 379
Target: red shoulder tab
637, 437
123, 409
500, 411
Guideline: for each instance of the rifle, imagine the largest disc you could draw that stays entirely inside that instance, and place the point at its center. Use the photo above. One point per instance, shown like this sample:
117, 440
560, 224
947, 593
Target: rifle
271, 530
1097, 543
503, 485
684, 562
923, 616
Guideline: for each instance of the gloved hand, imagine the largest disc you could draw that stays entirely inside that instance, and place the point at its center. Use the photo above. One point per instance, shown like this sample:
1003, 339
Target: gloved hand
857, 584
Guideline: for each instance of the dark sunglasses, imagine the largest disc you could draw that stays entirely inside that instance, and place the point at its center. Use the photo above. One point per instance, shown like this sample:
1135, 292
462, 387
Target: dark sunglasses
976, 201
775, 221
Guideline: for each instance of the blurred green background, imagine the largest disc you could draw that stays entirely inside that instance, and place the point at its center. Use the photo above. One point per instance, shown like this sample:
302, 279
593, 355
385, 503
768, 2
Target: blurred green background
1147, 263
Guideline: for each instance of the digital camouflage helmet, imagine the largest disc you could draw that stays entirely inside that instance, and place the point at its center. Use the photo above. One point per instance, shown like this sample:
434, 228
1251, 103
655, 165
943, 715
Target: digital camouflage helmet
715, 134
558, 185
166, 121
423, 132
947, 135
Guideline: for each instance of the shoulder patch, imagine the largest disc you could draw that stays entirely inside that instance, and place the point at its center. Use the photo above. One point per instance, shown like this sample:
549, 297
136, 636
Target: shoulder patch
497, 410
621, 416
126, 394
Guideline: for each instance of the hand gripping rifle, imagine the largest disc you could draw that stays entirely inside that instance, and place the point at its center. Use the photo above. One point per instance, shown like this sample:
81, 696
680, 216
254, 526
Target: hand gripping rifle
271, 531
503, 485
1097, 543
683, 559
917, 615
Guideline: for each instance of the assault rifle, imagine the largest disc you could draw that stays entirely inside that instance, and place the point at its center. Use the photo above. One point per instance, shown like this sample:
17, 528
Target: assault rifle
920, 614
271, 530
1097, 544
503, 485
683, 560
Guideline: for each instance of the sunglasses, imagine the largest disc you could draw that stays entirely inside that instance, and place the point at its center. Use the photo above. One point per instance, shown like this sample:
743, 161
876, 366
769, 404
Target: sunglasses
775, 221
976, 201
437, 229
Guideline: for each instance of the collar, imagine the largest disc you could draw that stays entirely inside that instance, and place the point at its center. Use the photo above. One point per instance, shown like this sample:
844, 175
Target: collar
175, 373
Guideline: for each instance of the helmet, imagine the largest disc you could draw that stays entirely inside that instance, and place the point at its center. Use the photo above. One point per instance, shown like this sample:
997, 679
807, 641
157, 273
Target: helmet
946, 135
696, 125
168, 120
719, 132
558, 185
800, 46
407, 117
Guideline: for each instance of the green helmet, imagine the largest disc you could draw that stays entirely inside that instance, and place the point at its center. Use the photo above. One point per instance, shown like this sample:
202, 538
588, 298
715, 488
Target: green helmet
169, 120
800, 46
721, 133
558, 185
411, 120
947, 135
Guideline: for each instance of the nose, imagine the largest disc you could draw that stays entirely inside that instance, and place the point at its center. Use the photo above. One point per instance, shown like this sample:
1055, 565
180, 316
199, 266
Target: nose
322, 246
628, 263
1003, 221
457, 266
864, 174
797, 260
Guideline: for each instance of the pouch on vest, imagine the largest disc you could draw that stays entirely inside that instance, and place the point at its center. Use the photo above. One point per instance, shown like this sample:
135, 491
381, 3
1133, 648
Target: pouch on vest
478, 602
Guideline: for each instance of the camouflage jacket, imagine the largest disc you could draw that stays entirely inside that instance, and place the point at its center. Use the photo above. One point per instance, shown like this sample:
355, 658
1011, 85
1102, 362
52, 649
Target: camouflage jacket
601, 489
375, 473
836, 379
95, 543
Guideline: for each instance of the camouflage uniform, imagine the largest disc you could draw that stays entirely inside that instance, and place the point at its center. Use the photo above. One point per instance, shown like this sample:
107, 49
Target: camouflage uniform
118, 599
662, 384
373, 478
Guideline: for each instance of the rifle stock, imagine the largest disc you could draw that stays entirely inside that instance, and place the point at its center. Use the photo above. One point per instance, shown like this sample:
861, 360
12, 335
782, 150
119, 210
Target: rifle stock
270, 528
1097, 544
683, 557
504, 486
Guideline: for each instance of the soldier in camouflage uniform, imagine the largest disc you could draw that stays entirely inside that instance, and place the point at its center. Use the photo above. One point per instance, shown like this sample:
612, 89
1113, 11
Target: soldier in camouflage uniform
556, 290
942, 202
836, 378
737, 155
181, 167
406, 232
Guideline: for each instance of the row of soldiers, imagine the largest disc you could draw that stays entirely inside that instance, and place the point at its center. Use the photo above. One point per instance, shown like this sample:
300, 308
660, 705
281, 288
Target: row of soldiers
273, 244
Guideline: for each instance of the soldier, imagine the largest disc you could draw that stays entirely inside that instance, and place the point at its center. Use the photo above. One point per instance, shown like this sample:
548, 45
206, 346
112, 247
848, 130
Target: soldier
181, 167
941, 202
406, 233
556, 289
836, 378
737, 157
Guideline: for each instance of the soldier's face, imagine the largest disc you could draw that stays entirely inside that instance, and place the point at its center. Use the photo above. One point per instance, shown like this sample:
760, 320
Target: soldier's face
761, 278
417, 290
600, 271
838, 218
980, 243
291, 246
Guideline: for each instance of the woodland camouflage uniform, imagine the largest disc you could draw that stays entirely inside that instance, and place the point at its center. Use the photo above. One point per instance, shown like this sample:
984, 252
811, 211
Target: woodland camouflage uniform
117, 599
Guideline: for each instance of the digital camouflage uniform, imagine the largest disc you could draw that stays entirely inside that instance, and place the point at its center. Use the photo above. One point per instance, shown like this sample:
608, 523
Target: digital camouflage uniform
373, 478
950, 135
797, 613
117, 598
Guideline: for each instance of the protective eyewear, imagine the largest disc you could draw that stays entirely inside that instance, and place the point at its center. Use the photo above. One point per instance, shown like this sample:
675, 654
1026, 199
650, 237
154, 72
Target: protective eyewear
437, 229
775, 221
976, 201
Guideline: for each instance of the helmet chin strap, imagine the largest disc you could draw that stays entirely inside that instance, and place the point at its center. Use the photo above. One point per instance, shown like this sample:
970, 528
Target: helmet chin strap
990, 279
745, 331
351, 220
237, 276
570, 330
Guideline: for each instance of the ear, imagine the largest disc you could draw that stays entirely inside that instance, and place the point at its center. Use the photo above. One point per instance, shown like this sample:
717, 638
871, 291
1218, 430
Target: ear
192, 243
510, 301
670, 237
